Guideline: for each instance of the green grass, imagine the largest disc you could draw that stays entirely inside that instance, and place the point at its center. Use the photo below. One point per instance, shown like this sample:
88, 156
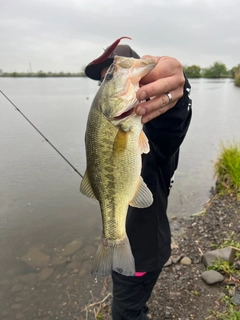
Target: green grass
237, 80
232, 243
227, 168
232, 311
230, 314
231, 240
223, 266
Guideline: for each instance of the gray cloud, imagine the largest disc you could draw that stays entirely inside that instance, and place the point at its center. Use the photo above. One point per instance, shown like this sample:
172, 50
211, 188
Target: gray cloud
65, 35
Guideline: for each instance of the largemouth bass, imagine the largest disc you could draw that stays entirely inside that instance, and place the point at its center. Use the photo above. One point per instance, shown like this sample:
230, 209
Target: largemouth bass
114, 144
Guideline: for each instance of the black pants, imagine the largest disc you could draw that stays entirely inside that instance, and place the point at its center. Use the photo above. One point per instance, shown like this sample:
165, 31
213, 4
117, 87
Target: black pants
130, 295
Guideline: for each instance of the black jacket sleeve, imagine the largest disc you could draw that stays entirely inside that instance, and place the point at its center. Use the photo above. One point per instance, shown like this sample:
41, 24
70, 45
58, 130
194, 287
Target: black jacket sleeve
167, 132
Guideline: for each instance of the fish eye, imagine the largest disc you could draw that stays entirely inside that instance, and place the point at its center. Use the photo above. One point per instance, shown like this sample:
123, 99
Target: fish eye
108, 76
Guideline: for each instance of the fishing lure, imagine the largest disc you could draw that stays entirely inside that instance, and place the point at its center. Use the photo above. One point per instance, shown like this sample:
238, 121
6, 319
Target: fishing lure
109, 50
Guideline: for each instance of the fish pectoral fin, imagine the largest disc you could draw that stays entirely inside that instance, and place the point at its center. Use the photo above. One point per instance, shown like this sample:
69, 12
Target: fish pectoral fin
143, 143
85, 187
143, 197
120, 141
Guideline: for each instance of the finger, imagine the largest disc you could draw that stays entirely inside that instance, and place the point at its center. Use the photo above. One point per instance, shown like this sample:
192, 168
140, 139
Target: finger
173, 95
152, 105
159, 87
158, 102
165, 67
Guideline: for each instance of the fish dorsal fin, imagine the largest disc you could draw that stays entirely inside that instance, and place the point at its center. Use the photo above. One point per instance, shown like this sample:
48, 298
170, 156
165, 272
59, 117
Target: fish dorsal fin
143, 198
143, 143
85, 187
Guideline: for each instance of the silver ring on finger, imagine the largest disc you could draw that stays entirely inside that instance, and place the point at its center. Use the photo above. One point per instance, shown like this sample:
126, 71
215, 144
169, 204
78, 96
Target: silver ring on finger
169, 96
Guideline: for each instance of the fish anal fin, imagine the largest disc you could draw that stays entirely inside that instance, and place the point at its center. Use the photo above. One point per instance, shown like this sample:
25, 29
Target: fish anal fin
143, 143
143, 197
85, 187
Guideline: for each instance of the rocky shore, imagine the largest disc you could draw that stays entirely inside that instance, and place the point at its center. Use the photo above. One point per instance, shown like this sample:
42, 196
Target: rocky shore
181, 293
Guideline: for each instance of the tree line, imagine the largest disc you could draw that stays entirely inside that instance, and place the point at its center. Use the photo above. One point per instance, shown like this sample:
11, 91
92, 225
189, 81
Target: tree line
42, 74
217, 70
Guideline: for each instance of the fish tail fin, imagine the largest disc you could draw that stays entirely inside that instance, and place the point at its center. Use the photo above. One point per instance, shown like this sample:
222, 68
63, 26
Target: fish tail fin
102, 262
123, 260
117, 256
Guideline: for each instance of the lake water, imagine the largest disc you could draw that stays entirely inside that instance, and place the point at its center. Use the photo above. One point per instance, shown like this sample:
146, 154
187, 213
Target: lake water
42, 213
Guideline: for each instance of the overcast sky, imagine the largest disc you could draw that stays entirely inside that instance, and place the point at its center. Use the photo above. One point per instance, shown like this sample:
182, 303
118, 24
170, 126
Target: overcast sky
64, 35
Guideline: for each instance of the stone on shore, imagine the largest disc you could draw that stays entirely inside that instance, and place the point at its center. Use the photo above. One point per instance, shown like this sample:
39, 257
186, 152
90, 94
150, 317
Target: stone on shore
177, 259
226, 254
168, 263
186, 261
212, 277
236, 298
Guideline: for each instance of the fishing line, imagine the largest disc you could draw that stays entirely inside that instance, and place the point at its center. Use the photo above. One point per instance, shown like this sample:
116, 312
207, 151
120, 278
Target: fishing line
41, 134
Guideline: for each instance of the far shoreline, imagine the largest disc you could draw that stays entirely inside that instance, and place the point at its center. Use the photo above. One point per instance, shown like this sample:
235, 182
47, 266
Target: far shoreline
43, 75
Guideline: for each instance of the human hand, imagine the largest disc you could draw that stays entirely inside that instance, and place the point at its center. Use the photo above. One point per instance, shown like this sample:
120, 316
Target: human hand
166, 77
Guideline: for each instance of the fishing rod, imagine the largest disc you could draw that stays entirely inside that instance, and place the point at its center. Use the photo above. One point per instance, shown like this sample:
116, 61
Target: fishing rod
41, 133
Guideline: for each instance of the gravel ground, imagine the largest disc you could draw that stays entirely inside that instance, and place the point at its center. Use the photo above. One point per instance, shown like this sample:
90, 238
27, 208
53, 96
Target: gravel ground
180, 293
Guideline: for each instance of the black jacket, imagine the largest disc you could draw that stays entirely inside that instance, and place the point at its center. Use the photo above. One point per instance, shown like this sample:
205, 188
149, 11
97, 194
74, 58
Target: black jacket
148, 229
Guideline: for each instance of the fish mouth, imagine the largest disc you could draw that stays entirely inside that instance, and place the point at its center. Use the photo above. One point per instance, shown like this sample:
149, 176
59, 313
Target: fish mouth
124, 114
127, 112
